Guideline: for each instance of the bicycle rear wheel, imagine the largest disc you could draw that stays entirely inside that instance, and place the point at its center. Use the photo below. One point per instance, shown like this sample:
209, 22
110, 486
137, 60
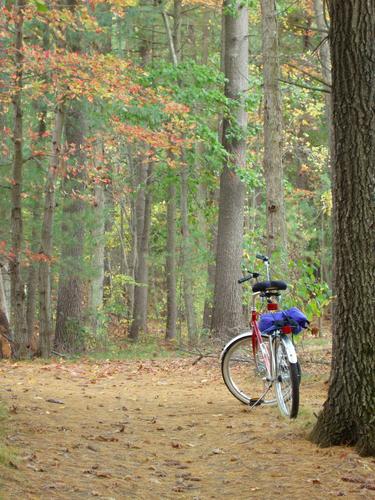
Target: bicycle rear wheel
245, 373
287, 381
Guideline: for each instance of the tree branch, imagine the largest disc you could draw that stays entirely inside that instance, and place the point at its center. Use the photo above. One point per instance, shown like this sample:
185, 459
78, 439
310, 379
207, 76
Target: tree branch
323, 82
170, 39
288, 82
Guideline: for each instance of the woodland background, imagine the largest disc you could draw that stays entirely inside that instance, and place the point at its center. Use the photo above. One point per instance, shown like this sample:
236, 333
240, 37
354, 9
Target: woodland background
112, 150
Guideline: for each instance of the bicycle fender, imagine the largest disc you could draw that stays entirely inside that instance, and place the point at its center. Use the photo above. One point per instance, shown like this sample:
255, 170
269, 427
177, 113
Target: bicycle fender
228, 344
290, 349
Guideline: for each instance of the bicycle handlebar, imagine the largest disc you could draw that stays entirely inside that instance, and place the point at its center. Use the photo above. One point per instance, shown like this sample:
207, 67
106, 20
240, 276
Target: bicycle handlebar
264, 258
248, 277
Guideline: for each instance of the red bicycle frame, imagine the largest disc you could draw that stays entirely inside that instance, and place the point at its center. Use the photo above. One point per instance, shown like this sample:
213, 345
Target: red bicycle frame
256, 338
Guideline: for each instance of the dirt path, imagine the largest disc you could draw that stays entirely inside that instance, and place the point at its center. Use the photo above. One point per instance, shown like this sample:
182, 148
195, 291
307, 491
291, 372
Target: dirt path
162, 430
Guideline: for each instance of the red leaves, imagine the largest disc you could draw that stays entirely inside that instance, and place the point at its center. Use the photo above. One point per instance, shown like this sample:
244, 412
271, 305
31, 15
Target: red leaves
6, 253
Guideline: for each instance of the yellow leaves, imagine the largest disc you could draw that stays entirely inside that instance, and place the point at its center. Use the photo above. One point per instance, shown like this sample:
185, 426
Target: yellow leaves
326, 201
174, 107
213, 4
115, 3
118, 7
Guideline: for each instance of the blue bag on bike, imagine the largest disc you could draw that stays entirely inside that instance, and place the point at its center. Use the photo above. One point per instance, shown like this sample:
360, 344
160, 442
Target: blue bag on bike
292, 317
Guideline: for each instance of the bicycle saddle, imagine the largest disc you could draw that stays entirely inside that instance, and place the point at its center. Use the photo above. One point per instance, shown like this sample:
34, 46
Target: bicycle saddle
264, 286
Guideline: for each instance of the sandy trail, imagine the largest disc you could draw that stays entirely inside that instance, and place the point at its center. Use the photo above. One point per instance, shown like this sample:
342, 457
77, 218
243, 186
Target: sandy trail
162, 430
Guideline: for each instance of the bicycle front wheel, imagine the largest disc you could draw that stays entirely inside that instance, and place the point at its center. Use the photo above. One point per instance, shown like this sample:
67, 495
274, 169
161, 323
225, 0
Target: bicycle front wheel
245, 373
287, 381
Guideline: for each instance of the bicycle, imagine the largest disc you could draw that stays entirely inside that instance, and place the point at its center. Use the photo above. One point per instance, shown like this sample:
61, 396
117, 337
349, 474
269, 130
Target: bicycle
265, 356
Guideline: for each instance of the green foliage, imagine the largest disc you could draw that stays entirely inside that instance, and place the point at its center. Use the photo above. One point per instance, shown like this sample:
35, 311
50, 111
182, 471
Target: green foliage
306, 290
115, 295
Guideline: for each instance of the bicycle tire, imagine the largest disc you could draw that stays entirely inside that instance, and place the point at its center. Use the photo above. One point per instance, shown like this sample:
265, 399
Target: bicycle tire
244, 374
288, 376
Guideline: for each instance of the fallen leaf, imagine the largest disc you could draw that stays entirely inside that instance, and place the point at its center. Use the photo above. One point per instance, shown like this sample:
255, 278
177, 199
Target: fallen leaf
176, 445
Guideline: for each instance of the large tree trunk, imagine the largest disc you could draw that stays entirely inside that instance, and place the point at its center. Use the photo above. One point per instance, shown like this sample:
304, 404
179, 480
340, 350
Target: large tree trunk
227, 316
70, 298
141, 277
348, 413
18, 318
272, 119
70, 295
46, 246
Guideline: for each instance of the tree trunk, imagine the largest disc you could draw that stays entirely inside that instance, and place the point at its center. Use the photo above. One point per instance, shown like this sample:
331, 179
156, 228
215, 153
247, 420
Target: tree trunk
185, 243
170, 267
97, 262
141, 290
185, 258
46, 246
174, 43
211, 267
18, 318
132, 261
70, 300
3, 298
227, 315
325, 61
348, 413
272, 120
211, 271
5, 333
32, 278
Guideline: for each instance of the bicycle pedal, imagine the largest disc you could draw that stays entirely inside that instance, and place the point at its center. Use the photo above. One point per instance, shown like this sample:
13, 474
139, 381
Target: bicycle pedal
256, 402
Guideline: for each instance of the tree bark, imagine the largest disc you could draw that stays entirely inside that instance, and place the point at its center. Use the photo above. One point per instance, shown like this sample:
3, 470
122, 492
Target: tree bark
5, 333
174, 43
18, 318
348, 413
211, 271
211, 267
132, 261
184, 202
70, 299
32, 277
185, 258
97, 262
46, 245
227, 315
272, 122
170, 266
141, 277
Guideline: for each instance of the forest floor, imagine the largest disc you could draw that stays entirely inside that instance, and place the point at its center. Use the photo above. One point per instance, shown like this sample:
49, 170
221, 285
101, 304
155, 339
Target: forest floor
163, 429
